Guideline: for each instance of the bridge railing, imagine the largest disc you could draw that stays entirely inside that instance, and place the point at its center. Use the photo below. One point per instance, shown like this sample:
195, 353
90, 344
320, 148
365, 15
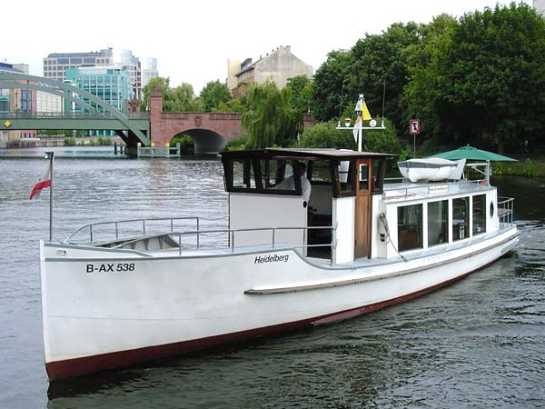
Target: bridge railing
69, 115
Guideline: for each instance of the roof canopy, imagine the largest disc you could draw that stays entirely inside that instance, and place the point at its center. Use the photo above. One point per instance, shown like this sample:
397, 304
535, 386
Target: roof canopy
307, 154
471, 153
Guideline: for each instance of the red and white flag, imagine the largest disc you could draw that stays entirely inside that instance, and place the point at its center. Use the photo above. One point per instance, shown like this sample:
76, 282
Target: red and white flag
43, 183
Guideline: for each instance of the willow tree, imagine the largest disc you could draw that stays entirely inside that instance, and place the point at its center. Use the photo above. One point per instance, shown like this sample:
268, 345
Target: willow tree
269, 119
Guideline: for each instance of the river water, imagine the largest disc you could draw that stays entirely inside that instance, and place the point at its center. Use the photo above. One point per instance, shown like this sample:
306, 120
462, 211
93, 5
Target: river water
477, 344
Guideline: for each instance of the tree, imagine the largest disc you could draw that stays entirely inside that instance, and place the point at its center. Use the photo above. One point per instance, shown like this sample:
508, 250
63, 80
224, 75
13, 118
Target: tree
490, 83
178, 99
181, 99
158, 82
213, 95
379, 59
268, 118
424, 65
300, 90
325, 135
330, 96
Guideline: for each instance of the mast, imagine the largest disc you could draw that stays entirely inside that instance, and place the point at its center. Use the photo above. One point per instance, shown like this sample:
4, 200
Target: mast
362, 115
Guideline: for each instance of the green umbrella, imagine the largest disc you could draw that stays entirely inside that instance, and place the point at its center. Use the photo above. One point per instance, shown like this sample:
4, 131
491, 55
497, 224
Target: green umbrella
471, 153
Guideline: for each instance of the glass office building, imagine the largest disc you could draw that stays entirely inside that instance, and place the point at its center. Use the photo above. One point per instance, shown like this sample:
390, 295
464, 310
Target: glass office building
111, 84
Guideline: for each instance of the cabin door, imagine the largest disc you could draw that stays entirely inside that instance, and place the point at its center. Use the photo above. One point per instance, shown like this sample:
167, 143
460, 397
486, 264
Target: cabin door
362, 232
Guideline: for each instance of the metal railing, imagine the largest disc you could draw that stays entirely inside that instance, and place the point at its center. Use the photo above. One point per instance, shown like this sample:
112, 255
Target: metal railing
275, 244
403, 192
116, 228
70, 115
505, 209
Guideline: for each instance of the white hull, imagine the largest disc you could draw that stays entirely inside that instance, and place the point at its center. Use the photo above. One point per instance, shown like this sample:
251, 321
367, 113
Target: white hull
106, 319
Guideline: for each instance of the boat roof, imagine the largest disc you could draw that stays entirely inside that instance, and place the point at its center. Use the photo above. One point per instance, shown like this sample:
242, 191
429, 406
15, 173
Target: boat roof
308, 153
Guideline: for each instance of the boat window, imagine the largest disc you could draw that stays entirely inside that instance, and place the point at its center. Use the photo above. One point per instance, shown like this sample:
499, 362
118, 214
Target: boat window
262, 176
437, 222
243, 175
460, 218
363, 178
344, 174
409, 227
319, 172
378, 170
479, 214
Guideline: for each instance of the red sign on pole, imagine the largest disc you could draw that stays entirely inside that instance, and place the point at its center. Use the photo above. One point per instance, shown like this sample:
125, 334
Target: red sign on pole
414, 127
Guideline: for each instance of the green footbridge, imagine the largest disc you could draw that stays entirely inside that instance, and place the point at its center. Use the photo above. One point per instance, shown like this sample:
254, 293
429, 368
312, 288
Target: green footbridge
95, 114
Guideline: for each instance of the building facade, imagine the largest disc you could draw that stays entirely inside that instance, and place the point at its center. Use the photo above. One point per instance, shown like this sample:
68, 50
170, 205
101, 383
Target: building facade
56, 64
14, 101
278, 66
125, 59
150, 71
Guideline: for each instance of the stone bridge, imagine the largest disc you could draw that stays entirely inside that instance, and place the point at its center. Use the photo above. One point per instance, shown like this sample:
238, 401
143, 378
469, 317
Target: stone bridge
210, 131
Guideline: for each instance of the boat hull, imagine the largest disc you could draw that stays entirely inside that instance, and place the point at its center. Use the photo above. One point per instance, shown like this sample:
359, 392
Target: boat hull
167, 306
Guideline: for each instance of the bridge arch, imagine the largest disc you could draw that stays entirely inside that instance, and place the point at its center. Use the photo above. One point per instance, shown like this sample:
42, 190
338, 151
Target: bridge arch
205, 141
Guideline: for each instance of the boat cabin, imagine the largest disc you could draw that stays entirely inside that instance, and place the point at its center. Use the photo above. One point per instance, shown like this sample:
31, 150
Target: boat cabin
328, 193
334, 204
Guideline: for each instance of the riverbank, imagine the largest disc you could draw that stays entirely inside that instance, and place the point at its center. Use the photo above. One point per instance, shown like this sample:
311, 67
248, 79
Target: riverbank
528, 168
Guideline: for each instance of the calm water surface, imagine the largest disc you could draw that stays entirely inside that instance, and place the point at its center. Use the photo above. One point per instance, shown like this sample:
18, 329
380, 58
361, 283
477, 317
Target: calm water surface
477, 344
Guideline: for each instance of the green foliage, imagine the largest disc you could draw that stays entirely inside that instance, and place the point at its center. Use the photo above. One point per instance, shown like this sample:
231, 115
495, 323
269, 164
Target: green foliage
159, 82
528, 168
178, 99
69, 141
491, 83
213, 94
233, 105
325, 135
480, 78
383, 140
104, 141
300, 90
373, 60
329, 83
237, 144
269, 119
185, 141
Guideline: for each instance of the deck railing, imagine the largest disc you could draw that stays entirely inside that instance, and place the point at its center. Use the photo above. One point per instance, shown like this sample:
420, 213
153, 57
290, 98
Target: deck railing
131, 231
125, 229
403, 192
505, 209
230, 234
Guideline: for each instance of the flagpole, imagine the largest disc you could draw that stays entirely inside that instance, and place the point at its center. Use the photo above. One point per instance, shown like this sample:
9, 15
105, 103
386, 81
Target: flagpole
50, 155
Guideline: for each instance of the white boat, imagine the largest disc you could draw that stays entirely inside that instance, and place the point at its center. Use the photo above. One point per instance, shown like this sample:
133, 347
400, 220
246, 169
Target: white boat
431, 169
112, 298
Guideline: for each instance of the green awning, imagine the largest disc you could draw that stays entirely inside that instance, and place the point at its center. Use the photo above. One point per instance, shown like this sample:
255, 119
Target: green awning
471, 153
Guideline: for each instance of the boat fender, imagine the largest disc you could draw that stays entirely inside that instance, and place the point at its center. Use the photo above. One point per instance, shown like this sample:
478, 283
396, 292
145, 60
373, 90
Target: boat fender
384, 221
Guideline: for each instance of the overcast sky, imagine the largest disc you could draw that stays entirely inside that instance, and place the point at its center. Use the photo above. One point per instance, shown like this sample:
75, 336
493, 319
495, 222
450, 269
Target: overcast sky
193, 39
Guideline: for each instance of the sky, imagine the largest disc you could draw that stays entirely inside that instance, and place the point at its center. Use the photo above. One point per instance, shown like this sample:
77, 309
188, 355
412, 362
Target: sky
192, 39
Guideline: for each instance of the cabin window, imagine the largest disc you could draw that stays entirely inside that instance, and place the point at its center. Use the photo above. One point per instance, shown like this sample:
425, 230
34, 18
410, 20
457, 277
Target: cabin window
409, 227
363, 178
319, 172
378, 170
460, 218
479, 214
346, 172
243, 175
261, 176
437, 223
